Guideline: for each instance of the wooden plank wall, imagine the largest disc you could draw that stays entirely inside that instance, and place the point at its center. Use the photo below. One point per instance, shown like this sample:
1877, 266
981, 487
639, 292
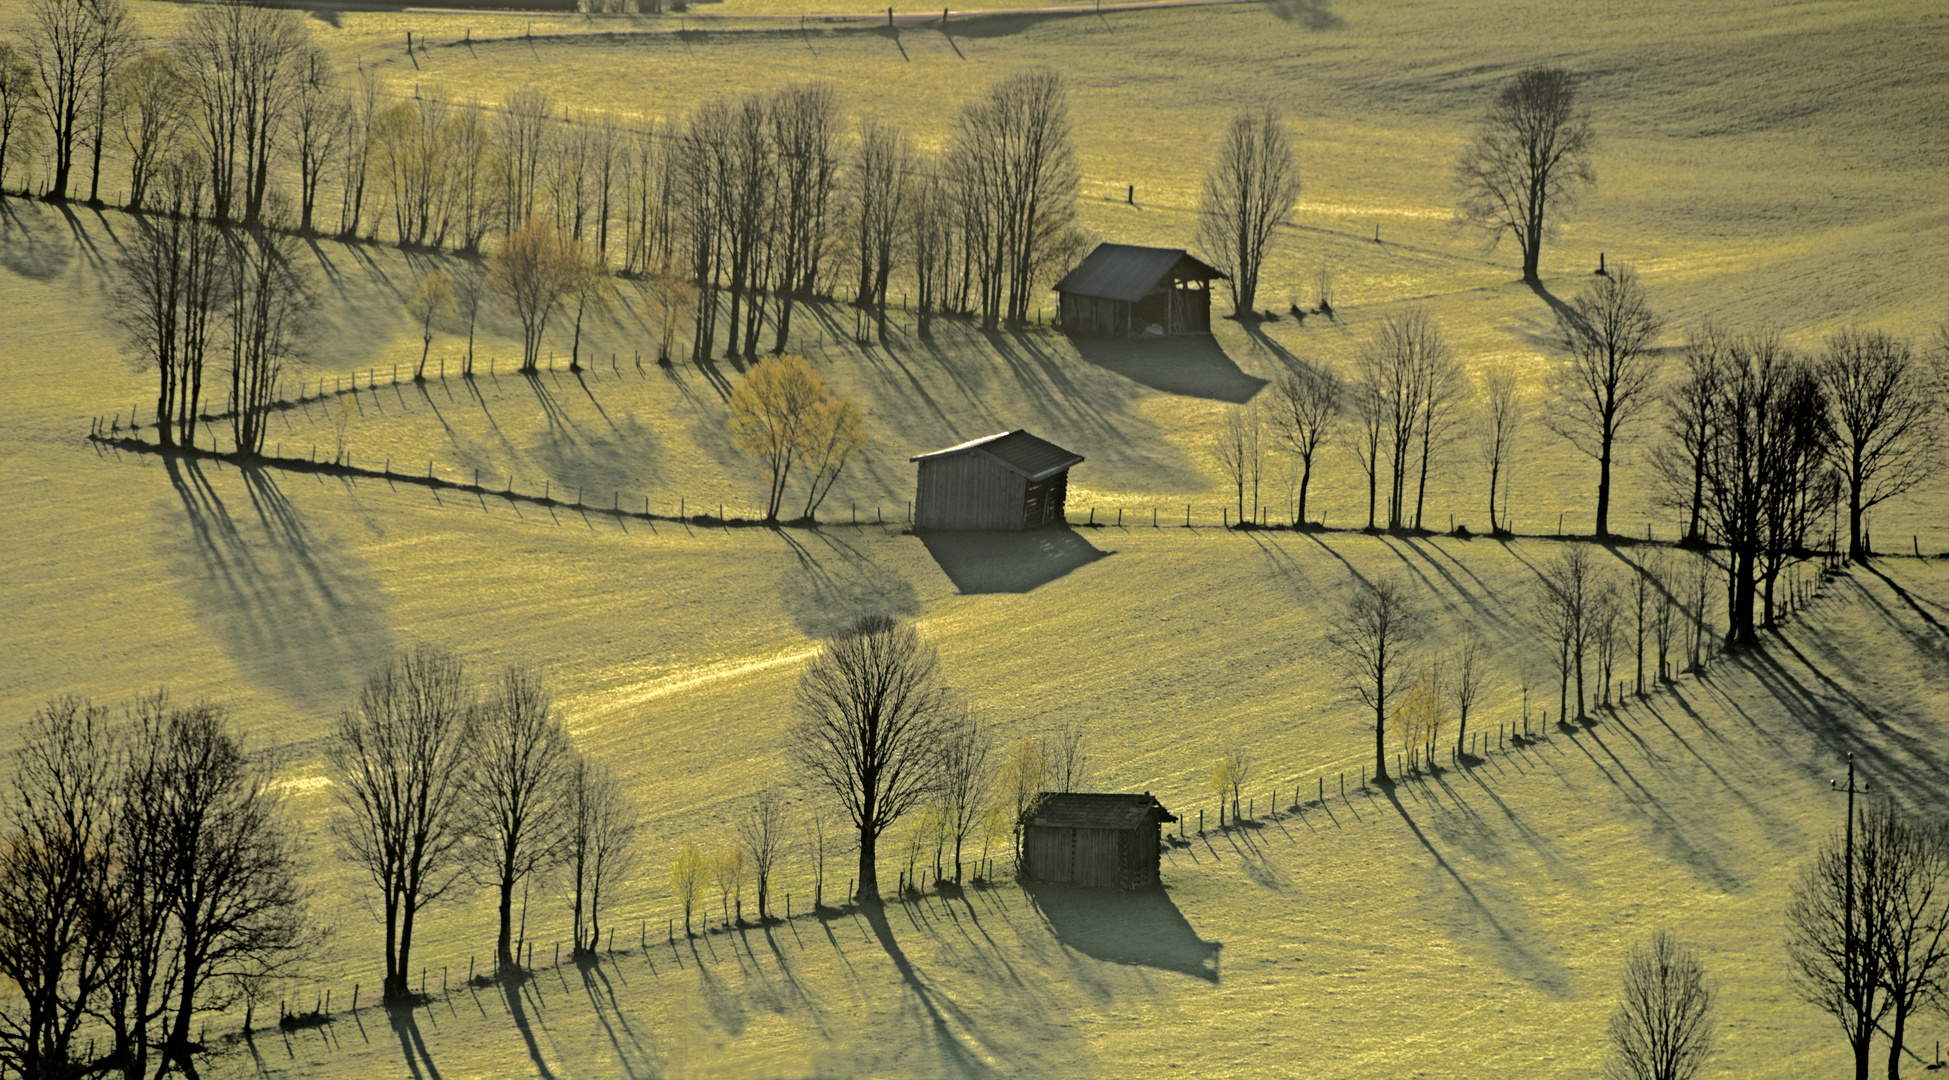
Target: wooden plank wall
967, 491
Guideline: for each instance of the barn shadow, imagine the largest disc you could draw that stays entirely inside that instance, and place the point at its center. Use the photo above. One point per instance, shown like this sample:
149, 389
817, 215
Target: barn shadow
1009, 562
1141, 927
1190, 365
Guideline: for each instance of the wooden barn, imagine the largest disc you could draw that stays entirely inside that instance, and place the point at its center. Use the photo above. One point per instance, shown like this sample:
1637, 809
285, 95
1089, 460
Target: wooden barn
1008, 481
1109, 841
1124, 290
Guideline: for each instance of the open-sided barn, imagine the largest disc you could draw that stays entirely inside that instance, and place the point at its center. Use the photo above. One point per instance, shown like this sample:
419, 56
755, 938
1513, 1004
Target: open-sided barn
1106, 840
1009, 481
1124, 289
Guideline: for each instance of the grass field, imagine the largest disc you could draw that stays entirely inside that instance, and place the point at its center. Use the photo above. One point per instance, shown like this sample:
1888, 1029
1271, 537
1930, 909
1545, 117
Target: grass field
1766, 165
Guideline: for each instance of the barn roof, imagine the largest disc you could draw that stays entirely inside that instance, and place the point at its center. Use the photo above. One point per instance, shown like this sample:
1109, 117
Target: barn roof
1079, 810
1129, 273
1017, 451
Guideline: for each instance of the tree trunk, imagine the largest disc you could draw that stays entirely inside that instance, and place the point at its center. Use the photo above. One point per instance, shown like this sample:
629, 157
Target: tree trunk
1855, 551
1305, 478
1604, 489
1380, 741
397, 988
869, 881
504, 942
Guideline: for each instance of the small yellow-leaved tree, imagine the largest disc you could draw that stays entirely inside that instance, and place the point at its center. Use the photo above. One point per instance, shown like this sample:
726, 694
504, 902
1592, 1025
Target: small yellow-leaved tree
687, 878
783, 413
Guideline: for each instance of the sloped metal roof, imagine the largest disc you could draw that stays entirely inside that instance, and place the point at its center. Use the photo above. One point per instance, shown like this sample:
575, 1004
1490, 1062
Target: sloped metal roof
1017, 451
1129, 273
1080, 810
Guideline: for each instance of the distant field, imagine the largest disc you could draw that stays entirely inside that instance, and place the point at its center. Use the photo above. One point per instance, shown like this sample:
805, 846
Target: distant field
1765, 165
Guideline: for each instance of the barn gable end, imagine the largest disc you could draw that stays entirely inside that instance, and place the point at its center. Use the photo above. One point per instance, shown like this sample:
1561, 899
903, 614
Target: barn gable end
1010, 481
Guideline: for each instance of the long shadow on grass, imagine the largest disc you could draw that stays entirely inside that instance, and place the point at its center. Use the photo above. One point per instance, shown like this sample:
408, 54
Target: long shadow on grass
833, 583
959, 1059
1001, 562
289, 608
636, 1060
1141, 927
1508, 946
513, 990
412, 1046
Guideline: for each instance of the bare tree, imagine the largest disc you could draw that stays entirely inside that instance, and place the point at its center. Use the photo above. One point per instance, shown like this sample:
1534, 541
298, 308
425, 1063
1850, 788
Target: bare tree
526, 122
1249, 190
599, 848
873, 715
1503, 416
1838, 924
805, 129
1023, 780
1409, 388
150, 98
751, 184
1570, 588
112, 44
1240, 448
1764, 483
1367, 436
1662, 579
243, 63
1662, 1028
60, 42
1019, 180
1681, 459
687, 873
1067, 752
934, 241
534, 269
1608, 332
270, 305
169, 301
401, 758
1373, 642
362, 108
432, 303
702, 172
317, 123
966, 776
1468, 670
1885, 421
1523, 168
1305, 413
59, 912
876, 185
516, 792
209, 881
762, 832
19, 101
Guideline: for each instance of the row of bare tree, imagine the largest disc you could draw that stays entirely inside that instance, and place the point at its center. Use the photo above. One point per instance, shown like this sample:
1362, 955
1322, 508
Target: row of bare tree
148, 877
441, 785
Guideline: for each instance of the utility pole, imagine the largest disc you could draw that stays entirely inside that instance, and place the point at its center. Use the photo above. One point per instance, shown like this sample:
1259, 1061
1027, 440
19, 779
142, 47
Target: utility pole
1849, 977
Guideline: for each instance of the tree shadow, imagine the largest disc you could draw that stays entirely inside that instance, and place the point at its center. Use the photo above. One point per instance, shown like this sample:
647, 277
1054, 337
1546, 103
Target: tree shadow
1311, 14
295, 611
1191, 365
960, 1059
636, 1060
826, 590
1143, 928
31, 241
1005, 562
412, 1045
513, 991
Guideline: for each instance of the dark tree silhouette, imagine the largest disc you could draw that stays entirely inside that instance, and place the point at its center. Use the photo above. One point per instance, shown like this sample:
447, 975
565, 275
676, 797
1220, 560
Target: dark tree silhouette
1611, 378
1527, 160
169, 301
401, 758
1305, 412
600, 849
1378, 630
874, 713
517, 793
1663, 1027
1250, 188
1885, 421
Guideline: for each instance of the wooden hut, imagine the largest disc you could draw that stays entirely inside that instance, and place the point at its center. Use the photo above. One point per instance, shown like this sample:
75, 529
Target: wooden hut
1124, 290
1009, 481
1109, 841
